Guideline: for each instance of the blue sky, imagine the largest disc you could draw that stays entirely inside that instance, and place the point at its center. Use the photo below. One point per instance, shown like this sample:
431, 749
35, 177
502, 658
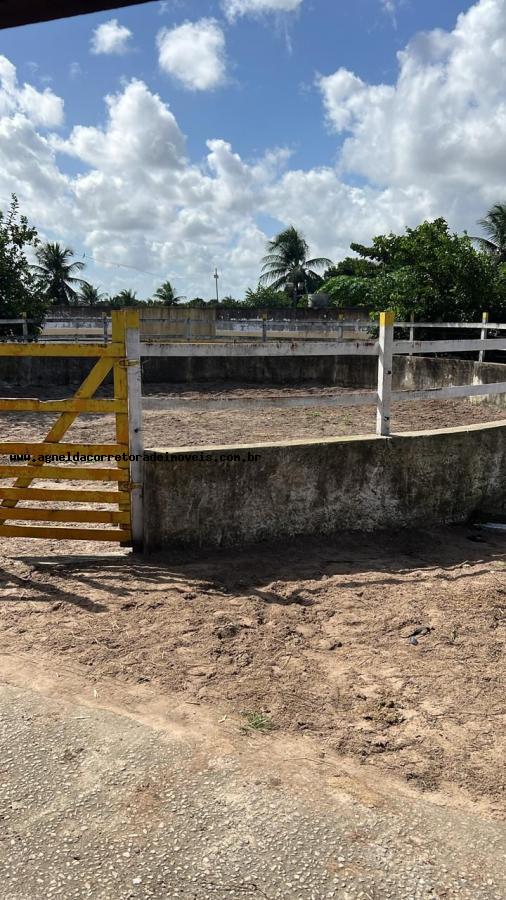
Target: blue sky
313, 118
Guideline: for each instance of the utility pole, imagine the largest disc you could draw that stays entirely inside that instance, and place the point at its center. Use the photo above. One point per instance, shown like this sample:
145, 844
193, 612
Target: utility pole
216, 276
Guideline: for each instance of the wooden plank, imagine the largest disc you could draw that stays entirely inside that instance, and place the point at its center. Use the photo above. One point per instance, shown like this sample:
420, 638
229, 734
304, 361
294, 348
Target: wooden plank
109, 351
135, 439
44, 514
86, 390
32, 404
68, 534
60, 449
478, 325
51, 495
456, 346
258, 348
447, 393
74, 473
386, 339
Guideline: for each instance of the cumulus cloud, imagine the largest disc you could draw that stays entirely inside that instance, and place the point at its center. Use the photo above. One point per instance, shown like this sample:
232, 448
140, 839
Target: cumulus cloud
233, 9
442, 126
432, 143
41, 107
111, 37
194, 54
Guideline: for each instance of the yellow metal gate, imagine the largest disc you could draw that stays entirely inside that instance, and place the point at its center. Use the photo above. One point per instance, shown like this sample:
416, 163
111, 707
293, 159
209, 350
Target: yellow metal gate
116, 470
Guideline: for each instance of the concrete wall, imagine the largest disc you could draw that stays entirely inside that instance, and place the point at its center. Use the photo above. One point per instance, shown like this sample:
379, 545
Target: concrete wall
325, 486
410, 373
162, 323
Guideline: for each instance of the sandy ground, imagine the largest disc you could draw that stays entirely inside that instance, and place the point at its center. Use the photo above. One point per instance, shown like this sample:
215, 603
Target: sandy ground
111, 793
313, 636
181, 428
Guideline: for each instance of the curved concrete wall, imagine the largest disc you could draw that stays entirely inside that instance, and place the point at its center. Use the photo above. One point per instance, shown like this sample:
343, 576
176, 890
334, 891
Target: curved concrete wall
223, 496
410, 373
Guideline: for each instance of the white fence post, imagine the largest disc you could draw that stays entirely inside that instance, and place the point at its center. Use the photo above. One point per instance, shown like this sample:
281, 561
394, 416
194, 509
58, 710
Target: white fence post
411, 331
483, 335
135, 439
385, 357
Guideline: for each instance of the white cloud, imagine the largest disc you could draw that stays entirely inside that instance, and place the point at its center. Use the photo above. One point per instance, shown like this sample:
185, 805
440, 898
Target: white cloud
442, 126
433, 143
390, 8
111, 37
194, 54
41, 107
235, 8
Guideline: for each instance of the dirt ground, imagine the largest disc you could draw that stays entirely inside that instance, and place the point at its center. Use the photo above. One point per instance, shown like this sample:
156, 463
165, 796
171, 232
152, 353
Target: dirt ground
182, 429
313, 637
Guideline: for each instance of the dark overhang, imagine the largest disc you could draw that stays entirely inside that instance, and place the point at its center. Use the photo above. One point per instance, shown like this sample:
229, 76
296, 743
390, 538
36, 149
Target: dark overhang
24, 12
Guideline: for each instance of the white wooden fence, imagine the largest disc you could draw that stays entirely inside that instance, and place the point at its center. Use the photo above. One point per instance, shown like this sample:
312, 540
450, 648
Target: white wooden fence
384, 348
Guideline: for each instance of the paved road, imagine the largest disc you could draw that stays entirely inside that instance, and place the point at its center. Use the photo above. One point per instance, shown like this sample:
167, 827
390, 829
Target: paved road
94, 804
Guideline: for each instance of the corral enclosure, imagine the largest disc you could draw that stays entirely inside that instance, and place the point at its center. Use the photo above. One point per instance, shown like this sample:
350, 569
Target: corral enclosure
296, 626
271, 425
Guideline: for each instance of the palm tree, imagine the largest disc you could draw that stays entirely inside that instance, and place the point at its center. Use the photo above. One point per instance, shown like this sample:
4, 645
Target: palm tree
494, 225
286, 265
56, 273
167, 295
89, 295
126, 297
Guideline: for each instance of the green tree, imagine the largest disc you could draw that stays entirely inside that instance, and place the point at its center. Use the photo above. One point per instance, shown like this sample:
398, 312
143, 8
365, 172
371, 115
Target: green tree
352, 266
494, 225
436, 275
89, 295
19, 290
166, 295
197, 302
286, 265
347, 290
56, 273
266, 298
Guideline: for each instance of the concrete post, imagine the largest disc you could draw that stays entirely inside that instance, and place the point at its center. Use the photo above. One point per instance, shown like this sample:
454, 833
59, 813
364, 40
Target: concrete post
264, 327
483, 335
411, 331
385, 358
24, 326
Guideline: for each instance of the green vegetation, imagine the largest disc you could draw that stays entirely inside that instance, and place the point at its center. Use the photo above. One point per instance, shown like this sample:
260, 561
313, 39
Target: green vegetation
56, 273
494, 225
286, 265
427, 272
20, 291
256, 721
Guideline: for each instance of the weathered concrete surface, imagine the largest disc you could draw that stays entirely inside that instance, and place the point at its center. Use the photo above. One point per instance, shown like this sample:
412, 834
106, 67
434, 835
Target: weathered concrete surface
409, 373
220, 496
101, 804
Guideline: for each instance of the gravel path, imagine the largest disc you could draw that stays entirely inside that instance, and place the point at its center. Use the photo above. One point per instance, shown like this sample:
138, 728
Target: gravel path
100, 804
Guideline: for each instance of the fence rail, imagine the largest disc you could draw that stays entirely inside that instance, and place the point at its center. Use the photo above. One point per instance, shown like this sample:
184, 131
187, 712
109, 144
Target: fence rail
384, 349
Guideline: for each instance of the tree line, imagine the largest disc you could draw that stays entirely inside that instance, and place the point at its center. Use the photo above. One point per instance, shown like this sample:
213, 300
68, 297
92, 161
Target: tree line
427, 272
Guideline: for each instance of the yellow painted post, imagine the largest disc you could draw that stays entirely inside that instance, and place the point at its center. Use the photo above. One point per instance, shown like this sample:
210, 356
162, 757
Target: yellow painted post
483, 335
385, 359
119, 322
